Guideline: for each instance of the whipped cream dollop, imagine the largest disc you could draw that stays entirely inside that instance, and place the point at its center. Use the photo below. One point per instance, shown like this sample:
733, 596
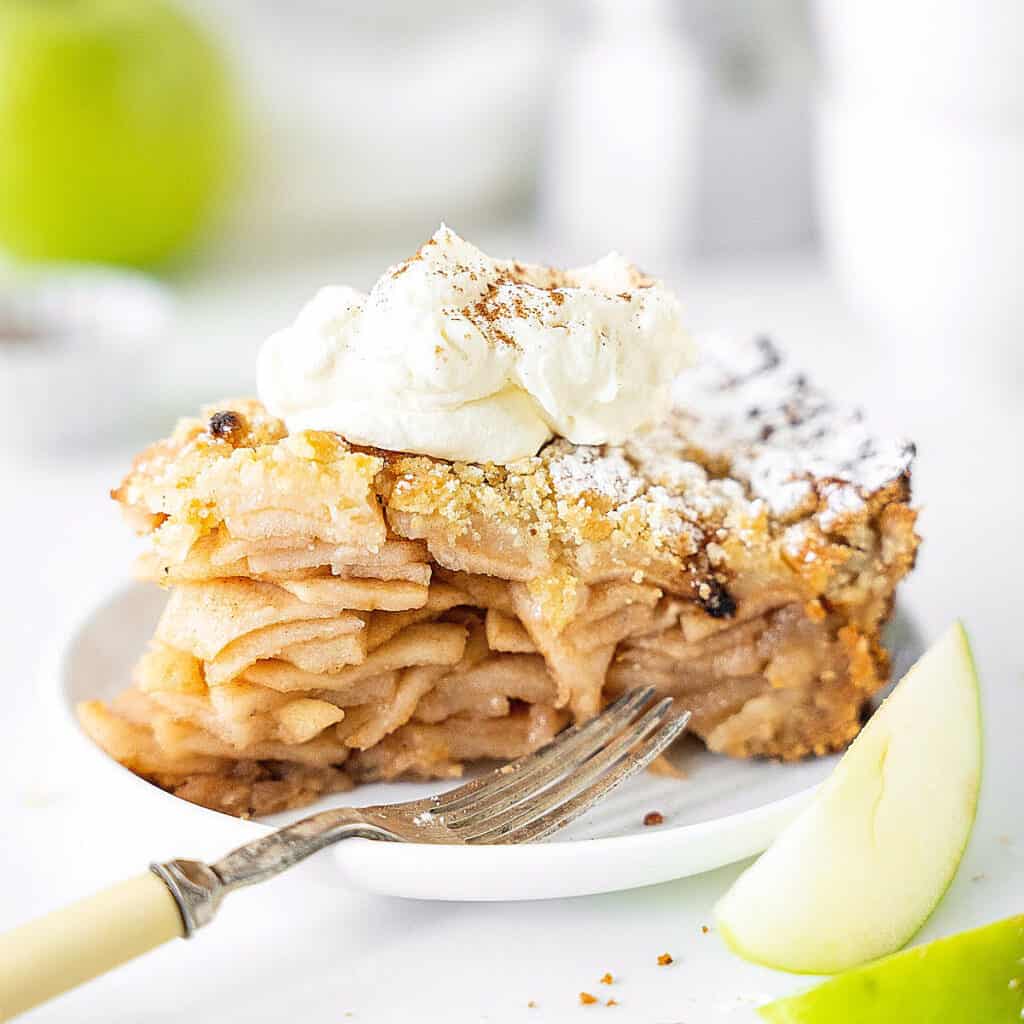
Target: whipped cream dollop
460, 356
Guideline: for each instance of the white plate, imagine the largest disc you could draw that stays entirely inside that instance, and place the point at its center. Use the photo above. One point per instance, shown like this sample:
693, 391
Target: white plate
722, 811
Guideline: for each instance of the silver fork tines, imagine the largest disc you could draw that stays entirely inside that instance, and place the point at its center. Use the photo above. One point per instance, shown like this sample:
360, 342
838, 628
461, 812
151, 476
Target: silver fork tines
569, 749
489, 827
521, 802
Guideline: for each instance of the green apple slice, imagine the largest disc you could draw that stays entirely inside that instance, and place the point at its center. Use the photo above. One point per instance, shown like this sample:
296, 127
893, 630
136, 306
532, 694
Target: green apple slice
863, 866
976, 977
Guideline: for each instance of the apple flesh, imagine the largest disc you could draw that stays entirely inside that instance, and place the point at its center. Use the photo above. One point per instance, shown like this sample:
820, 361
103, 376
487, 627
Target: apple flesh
861, 869
119, 130
976, 977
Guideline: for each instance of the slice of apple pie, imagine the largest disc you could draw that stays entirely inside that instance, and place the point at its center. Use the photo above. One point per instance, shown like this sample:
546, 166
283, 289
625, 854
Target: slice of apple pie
340, 613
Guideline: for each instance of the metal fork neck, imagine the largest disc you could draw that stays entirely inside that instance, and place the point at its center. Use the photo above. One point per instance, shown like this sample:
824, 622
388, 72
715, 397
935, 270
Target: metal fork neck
196, 889
199, 888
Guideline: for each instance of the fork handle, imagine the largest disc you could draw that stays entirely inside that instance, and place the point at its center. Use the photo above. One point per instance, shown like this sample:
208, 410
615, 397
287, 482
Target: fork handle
55, 953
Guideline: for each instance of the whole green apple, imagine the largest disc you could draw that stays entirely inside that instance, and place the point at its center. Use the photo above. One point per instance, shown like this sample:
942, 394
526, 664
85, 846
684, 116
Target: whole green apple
976, 977
118, 130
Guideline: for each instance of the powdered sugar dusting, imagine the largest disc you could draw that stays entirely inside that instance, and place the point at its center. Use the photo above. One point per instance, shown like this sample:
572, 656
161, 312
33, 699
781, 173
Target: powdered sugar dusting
840, 500
576, 470
782, 436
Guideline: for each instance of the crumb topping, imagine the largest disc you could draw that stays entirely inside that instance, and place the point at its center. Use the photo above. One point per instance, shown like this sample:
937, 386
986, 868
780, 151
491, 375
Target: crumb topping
753, 460
702, 470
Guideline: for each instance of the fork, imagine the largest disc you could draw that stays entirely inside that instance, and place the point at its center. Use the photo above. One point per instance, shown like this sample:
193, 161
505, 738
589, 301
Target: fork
521, 802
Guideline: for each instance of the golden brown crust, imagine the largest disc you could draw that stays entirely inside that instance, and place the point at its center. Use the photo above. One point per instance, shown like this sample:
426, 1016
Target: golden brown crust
252, 789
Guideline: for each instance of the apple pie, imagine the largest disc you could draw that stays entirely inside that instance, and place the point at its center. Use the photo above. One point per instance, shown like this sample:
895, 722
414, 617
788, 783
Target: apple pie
339, 613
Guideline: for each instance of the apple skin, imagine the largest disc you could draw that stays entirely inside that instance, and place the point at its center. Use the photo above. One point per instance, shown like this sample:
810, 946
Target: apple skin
861, 869
976, 977
119, 130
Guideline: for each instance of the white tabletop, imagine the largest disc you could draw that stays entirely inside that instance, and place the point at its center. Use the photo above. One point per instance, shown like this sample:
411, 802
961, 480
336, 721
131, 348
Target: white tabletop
299, 949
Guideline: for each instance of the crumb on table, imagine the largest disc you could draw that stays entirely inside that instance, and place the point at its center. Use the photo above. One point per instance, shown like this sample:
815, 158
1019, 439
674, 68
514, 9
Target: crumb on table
653, 818
606, 978
612, 1002
665, 959
586, 999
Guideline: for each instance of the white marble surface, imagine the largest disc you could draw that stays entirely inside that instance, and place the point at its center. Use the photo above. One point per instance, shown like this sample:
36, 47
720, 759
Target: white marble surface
303, 950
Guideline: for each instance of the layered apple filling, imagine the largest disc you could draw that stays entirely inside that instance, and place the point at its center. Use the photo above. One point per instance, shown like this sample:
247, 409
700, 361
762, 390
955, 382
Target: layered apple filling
339, 614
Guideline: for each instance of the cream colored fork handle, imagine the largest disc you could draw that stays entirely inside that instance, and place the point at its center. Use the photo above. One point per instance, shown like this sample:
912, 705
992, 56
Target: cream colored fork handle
43, 958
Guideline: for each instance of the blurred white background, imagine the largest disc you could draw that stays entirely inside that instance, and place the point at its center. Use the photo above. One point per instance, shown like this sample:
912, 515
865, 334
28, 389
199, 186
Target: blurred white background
373, 125
846, 176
